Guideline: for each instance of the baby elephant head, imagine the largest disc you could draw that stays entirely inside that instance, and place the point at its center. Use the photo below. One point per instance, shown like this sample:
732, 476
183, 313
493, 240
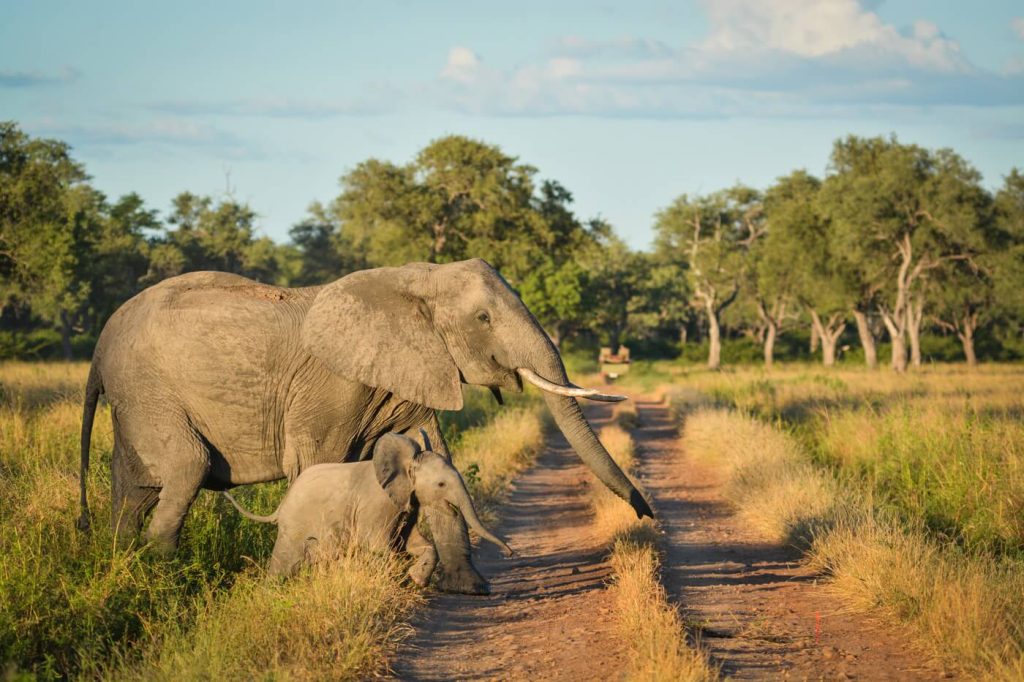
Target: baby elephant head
405, 470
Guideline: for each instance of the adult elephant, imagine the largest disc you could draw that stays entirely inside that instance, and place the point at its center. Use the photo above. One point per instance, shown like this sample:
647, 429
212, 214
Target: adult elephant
217, 381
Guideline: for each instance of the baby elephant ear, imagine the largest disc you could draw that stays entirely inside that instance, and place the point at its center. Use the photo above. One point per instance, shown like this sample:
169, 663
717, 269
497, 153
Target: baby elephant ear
376, 327
393, 457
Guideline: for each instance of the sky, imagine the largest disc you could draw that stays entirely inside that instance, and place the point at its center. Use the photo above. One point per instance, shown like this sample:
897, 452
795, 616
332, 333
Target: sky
626, 104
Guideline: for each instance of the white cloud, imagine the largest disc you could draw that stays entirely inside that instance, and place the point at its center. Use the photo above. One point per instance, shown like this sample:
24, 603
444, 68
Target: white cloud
463, 65
759, 57
1018, 26
820, 28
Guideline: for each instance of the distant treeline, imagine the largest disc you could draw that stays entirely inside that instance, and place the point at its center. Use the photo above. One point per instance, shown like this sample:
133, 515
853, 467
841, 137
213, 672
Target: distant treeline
898, 246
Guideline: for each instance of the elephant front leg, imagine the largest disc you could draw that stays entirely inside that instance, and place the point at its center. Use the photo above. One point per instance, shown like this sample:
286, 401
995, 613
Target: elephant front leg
425, 557
449, 532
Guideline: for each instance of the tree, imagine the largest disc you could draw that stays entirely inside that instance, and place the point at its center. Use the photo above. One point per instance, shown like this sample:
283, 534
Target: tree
48, 219
215, 235
616, 276
121, 255
1006, 262
962, 294
712, 235
322, 254
459, 198
797, 259
901, 212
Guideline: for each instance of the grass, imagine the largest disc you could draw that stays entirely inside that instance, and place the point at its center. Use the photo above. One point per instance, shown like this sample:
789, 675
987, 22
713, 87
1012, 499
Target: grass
336, 621
966, 606
72, 606
658, 644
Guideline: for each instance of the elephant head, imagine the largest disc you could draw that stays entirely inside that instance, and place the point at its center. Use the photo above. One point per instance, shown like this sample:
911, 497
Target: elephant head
422, 330
408, 473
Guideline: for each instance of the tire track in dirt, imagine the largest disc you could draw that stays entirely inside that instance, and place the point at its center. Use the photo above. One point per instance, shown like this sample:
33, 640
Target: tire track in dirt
759, 610
549, 616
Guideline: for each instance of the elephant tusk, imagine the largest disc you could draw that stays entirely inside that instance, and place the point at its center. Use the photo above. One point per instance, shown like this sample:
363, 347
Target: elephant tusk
570, 391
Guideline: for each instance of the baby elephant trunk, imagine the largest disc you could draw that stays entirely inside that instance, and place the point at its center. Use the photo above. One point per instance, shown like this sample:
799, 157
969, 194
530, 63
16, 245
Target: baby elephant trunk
461, 499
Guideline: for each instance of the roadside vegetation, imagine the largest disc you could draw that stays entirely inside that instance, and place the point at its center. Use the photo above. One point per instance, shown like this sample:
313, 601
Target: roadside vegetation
659, 646
908, 491
72, 606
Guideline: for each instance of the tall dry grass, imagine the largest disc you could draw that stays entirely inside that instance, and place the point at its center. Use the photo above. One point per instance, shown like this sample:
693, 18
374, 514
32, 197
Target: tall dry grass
489, 456
660, 649
967, 608
338, 620
72, 606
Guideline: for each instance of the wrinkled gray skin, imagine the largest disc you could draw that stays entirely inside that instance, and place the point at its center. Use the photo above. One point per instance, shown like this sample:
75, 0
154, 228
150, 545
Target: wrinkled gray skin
217, 381
372, 503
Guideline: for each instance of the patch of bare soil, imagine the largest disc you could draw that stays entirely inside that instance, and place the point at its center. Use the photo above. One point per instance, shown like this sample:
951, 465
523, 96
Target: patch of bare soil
759, 610
549, 616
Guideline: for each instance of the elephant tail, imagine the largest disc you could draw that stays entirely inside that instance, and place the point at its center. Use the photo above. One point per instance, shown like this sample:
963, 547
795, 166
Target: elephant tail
93, 388
248, 514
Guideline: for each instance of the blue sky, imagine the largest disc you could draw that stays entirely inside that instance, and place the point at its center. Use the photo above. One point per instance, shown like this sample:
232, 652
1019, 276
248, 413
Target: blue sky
626, 104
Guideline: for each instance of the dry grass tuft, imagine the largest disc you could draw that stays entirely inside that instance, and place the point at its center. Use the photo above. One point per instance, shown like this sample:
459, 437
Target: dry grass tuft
489, 456
625, 415
658, 642
775, 489
338, 620
968, 611
656, 636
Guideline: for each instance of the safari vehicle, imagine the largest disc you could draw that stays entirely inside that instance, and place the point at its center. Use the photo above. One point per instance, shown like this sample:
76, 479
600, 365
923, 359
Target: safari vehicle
613, 365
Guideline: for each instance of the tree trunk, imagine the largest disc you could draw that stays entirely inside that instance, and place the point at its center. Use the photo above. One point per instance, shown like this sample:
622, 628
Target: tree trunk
65, 334
867, 339
715, 339
899, 347
967, 341
814, 339
915, 313
968, 325
828, 333
682, 337
769, 343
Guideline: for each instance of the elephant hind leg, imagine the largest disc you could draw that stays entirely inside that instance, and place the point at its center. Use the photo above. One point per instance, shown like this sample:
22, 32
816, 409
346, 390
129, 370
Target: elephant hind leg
182, 462
133, 493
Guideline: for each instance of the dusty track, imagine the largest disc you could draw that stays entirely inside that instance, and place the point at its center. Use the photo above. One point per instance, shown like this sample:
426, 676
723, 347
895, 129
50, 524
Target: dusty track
761, 613
548, 616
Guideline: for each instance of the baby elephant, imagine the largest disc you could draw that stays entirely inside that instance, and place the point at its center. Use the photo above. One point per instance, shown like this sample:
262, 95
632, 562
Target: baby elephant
375, 503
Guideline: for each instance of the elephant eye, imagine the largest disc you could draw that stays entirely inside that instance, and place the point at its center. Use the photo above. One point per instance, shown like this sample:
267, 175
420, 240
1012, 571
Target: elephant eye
483, 317
441, 484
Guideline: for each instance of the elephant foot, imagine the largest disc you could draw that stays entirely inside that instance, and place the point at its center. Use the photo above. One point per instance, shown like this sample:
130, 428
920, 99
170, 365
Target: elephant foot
463, 582
421, 571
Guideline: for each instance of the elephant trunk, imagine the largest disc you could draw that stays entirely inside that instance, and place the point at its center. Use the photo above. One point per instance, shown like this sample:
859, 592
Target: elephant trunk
461, 499
574, 426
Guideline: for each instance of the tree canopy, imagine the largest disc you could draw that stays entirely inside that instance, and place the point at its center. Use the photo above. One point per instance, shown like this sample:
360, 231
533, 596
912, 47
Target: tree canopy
896, 237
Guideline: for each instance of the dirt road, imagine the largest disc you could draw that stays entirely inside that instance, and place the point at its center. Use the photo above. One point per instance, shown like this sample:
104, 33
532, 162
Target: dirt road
761, 613
548, 617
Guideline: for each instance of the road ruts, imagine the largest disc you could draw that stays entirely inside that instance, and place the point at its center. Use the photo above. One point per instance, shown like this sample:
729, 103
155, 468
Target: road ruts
759, 610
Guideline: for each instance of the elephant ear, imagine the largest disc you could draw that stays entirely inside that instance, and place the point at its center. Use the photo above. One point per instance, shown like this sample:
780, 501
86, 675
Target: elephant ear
393, 459
376, 327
